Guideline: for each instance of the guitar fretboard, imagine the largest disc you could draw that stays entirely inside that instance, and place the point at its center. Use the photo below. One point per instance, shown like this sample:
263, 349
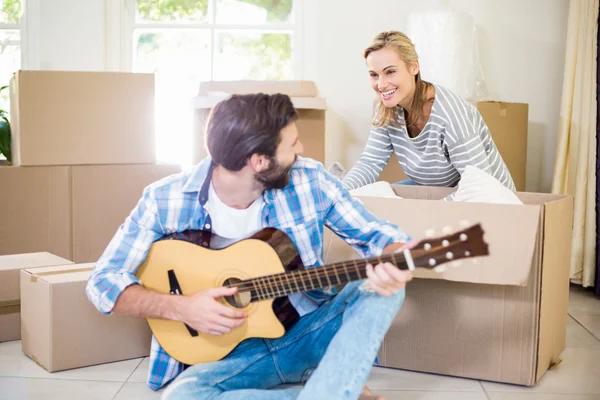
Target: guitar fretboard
280, 285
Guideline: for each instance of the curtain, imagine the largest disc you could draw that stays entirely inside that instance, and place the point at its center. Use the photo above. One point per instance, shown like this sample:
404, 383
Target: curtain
575, 167
597, 166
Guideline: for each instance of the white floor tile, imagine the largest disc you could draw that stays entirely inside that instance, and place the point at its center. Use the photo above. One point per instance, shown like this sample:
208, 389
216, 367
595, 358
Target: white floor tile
56, 389
140, 375
393, 379
583, 301
590, 322
398, 395
579, 336
541, 396
14, 363
579, 373
137, 391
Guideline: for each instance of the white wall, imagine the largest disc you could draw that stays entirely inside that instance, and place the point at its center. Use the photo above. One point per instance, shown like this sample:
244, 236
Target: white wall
523, 43
523, 50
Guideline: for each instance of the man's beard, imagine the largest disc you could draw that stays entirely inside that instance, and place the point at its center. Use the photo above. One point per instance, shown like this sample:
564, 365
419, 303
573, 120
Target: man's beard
276, 176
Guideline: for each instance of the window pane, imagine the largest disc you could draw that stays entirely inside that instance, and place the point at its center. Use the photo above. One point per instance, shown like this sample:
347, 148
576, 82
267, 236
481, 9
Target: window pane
252, 55
254, 11
172, 11
10, 11
10, 61
180, 60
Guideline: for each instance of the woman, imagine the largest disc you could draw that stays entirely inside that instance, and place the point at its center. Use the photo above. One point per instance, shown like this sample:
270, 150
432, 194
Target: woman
434, 133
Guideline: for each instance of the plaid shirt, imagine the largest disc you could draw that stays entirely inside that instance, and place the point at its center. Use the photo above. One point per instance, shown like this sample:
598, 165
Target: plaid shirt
312, 199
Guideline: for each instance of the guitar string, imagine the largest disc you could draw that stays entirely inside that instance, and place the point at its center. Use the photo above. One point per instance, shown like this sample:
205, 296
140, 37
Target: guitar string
316, 273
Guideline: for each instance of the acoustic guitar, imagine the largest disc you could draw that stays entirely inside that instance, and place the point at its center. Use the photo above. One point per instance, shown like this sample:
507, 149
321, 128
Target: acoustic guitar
266, 268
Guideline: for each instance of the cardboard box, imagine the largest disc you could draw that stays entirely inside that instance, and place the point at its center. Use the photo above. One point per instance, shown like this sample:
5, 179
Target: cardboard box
103, 196
500, 319
35, 210
508, 124
10, 294
72, 212
61, 329
311, 111
82, 118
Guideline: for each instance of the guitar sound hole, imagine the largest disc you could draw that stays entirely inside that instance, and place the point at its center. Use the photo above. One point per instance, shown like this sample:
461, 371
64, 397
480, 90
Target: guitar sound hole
240, 299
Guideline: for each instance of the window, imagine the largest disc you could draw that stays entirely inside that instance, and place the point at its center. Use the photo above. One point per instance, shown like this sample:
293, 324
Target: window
10, 44
185, 42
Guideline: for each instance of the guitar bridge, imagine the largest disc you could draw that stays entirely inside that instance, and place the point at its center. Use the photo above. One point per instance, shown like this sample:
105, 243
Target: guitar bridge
176, 290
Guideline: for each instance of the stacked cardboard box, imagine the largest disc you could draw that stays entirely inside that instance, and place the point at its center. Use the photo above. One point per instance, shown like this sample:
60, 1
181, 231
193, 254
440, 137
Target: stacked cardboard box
10, 295
311, 111
83, 148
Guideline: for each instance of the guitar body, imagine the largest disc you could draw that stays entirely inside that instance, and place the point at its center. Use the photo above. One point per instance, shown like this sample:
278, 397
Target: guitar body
197, 265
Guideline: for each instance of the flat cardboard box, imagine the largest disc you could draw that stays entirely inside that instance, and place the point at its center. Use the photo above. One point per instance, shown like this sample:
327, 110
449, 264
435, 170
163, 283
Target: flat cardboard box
35, 210
82, 118
72, 212
61, 329
501, 318
10, 294
103, 196
311, 111
508, 125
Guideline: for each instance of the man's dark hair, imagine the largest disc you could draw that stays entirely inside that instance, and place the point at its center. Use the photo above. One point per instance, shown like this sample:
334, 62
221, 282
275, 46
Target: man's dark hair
243, 125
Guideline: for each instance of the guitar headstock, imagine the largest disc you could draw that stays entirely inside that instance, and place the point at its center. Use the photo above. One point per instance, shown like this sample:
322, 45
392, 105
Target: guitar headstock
432, 253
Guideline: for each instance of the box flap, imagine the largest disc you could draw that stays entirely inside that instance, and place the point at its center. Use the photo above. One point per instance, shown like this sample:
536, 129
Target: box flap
62, 273
510, 231
312, 103
291, 88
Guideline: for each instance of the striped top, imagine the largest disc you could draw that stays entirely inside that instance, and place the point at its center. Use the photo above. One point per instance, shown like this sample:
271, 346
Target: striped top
454, 136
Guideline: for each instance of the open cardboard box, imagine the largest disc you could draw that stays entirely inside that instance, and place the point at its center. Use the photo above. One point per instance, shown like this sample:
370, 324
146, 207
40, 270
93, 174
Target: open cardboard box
501, 318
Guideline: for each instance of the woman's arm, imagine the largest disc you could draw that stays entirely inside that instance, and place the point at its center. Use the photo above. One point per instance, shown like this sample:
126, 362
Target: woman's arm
473, 145
372, 161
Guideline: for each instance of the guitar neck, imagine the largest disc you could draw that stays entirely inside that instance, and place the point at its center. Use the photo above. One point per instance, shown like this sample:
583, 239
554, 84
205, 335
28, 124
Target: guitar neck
280, 285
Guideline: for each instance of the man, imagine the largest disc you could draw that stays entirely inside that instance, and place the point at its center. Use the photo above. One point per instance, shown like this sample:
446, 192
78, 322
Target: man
252, 179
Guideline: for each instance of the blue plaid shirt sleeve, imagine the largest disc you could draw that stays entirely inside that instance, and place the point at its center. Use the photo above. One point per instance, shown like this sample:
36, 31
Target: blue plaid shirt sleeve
116, 268
348, 218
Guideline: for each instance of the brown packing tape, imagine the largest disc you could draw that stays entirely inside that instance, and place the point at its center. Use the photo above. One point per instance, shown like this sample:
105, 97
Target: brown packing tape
16, 309
69, 271
10, 303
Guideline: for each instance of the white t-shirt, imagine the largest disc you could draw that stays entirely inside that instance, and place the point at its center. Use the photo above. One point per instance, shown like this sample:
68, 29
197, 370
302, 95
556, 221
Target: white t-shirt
232, 224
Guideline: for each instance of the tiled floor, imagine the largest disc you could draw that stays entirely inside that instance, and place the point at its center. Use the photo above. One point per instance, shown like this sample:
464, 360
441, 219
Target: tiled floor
576, 378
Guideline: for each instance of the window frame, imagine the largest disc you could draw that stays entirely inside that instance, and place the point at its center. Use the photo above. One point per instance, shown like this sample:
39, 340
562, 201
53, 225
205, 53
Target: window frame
120, 16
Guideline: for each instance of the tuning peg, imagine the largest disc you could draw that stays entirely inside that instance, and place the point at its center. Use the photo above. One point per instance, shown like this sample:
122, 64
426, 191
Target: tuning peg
447, 230
440, 268
430, 233
464, 223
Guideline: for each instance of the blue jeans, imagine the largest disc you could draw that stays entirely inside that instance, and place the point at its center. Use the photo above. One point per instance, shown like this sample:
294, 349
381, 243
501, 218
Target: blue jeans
340, 339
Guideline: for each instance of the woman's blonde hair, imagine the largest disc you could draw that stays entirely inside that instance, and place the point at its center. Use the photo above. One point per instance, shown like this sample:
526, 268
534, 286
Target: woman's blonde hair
406, 49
